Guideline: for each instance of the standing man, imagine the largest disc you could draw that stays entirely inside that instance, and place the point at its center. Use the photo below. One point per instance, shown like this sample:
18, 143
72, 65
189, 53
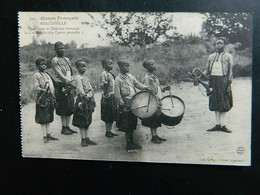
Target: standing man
219, 68
125, 89
64, 97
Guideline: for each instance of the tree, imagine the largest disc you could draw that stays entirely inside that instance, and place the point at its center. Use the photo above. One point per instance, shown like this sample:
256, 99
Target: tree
237, 27
71, 45
131, 29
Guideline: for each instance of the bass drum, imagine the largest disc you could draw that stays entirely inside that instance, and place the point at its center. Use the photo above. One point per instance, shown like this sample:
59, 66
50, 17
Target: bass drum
145, 105
173, 109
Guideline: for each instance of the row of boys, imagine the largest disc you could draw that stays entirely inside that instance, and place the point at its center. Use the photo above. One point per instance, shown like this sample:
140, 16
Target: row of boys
58, 91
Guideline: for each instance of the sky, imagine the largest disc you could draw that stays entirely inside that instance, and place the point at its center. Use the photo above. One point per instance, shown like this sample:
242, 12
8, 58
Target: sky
68, 26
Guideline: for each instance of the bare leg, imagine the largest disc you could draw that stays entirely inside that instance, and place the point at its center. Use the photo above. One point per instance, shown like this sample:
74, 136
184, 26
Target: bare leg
108, 127
64, 130
68, 124
217, 117
153, 131
155, 136
68, 121
222, 118
47, 128
224, 128
86, 132
82, 133
44, 133
218, 122
63, 121
83, 137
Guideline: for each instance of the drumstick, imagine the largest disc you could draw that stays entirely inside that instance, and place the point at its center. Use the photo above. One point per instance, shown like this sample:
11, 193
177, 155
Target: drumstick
171, 97
138, 107
148, 102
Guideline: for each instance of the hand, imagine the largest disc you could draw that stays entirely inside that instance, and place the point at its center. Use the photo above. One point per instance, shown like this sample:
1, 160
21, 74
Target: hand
148, 89
167, 88
71, 83
229, 88
43, 90
122, 108
80, 105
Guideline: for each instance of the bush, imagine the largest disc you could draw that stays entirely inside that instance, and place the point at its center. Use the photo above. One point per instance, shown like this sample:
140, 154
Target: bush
242, 71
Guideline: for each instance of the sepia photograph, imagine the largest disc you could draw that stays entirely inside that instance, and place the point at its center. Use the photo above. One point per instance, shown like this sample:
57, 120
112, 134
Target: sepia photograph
154, 87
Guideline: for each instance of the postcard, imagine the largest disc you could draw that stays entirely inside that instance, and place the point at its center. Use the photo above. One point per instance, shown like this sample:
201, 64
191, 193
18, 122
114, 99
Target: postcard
155, 87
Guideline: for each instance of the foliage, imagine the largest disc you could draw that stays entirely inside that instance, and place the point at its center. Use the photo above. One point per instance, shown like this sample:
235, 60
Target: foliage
132, 29
237, 27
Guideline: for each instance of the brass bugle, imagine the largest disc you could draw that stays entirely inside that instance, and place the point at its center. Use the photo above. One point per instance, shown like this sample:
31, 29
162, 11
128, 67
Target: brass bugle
200, 72
197, 74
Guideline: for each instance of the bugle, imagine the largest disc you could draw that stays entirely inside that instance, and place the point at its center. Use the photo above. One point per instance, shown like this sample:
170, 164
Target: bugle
196, 75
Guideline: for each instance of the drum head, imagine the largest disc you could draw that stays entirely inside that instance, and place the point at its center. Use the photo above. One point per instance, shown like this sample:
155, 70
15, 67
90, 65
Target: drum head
144, 104
172, 106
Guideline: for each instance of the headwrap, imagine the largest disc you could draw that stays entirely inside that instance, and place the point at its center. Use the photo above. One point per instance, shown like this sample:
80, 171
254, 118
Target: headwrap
57, 44
122, 61
147, 62
105, 60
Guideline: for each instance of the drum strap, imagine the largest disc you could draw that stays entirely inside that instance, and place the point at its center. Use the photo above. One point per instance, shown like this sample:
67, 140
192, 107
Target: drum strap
46, 86
88, 85
154, 77
126, 81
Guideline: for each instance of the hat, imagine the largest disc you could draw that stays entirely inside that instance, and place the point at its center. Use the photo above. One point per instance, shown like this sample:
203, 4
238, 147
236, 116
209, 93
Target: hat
122, 61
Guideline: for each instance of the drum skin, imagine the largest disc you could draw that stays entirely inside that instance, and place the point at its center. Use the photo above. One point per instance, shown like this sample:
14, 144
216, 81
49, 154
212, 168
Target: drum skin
172, 116
140, 108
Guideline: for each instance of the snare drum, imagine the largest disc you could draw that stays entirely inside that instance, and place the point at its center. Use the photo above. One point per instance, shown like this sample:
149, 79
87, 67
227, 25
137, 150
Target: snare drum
173, 109
145, 105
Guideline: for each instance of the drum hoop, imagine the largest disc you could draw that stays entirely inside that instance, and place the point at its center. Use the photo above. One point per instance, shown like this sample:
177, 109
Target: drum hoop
176, 98
145, 91
157, 102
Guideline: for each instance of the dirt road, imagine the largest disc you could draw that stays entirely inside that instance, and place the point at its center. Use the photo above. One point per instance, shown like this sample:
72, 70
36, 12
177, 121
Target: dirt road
188, 142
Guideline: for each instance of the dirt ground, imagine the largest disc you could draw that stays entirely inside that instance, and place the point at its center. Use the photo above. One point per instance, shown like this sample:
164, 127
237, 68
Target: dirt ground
188, 142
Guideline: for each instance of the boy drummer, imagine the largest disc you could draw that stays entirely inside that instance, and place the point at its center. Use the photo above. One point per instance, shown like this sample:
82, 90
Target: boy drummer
152, 81
108, 102
125, 85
